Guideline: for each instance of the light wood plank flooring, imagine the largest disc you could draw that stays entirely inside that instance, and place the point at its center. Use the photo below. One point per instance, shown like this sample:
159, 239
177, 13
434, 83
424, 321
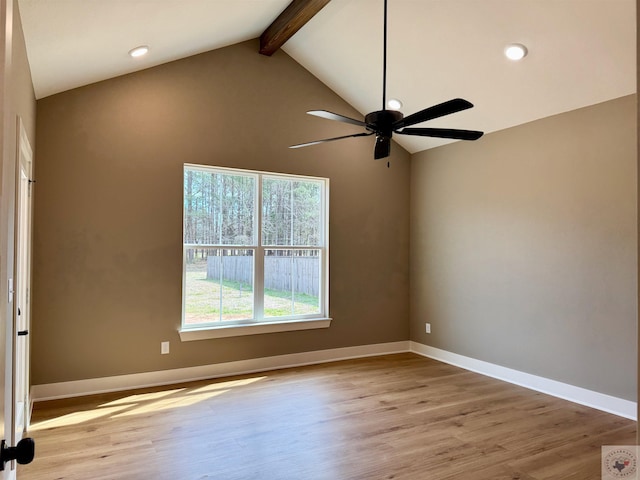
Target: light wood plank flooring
392, 417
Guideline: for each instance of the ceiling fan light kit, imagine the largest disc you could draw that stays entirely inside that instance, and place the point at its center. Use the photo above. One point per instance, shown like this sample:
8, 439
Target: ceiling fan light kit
394, 104
384, 123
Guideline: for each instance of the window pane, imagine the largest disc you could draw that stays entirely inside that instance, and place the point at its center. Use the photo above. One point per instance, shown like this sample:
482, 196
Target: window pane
291, 282
291, 212
218, 208
218, 285
306, 213
276, 211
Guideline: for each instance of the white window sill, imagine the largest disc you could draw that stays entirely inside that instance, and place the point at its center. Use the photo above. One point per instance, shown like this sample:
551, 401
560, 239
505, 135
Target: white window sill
189, 334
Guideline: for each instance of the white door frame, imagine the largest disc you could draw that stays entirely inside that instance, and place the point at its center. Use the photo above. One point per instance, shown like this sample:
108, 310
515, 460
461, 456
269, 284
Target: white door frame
22, 286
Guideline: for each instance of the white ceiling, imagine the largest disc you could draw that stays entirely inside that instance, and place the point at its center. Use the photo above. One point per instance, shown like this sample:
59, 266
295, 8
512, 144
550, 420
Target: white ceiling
581, 52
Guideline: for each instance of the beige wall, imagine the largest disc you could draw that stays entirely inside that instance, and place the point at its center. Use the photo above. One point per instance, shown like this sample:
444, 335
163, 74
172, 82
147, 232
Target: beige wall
108, 216
524, 250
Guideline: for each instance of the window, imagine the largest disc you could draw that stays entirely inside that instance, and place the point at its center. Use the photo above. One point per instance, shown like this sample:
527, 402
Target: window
255, 249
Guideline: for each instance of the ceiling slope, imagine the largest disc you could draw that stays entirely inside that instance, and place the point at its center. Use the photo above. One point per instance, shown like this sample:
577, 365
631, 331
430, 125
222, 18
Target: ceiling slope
581, 52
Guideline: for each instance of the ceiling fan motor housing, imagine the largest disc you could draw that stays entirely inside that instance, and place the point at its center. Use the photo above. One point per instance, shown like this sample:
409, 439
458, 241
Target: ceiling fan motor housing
381, 122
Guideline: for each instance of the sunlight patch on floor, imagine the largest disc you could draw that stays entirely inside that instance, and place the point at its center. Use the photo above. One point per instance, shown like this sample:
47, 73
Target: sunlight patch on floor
147, 403
142, 397
76, 418
170, 403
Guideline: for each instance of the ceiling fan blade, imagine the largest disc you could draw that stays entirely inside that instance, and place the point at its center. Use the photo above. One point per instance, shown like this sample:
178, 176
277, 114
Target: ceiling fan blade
366, 134
335, 116
382, 148
440, 110
442, 133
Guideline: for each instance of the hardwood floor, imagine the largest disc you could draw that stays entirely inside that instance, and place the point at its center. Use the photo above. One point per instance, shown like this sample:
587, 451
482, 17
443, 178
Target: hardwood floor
392, 417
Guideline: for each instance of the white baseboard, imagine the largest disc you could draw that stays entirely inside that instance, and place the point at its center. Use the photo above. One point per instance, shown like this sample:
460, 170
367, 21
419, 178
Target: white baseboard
600, 401
52, 391
589, 398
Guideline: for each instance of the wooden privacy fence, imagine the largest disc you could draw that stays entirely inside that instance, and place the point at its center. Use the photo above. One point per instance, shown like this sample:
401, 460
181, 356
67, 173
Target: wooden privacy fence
279, 272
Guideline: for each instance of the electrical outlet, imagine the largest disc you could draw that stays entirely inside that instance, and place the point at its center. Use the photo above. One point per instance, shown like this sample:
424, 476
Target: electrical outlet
427, 327
164, 348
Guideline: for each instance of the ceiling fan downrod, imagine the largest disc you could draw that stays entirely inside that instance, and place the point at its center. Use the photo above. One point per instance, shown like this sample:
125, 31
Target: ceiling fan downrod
384, 60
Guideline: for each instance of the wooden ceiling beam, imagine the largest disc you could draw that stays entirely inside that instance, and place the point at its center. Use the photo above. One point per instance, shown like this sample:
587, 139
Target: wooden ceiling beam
292, 19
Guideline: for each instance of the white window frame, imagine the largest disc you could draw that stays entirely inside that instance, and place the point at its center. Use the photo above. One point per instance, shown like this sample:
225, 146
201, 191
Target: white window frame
259, 324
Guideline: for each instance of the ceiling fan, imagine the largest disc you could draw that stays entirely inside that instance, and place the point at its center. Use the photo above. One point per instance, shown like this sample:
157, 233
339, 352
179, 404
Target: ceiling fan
384, 123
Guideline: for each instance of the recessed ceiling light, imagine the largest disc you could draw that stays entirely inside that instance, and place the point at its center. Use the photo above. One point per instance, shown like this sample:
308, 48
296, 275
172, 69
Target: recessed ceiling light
139, 51
515, 51
394, 104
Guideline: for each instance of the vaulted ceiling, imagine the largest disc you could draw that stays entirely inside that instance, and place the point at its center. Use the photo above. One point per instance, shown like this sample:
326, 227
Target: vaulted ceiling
581, 52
